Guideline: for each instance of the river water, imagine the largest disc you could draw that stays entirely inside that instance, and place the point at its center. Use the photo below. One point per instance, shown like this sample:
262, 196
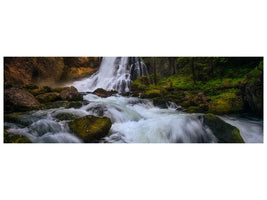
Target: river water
134, 120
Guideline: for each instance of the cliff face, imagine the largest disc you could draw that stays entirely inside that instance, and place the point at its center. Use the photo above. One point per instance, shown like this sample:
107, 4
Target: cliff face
20, 71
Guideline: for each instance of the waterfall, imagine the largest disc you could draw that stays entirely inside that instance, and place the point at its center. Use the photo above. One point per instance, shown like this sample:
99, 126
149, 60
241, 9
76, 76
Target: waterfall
115, 73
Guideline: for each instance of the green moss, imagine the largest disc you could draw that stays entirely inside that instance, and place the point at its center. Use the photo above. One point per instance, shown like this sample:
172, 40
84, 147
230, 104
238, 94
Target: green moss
74, 104
65, 116
58, 89
152, 93
194, 109
226, 105
48, 97
224, 132
90, 128
15, 138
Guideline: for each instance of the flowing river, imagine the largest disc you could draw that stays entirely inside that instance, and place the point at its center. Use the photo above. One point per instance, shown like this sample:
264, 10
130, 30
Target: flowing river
134, 120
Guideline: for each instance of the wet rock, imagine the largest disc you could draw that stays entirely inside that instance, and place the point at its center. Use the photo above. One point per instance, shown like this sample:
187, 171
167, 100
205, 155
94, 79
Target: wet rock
66, 116
17, 118
90, 128
48, 97
74, 104
224, 132
71, 94
15, 138
160, 102
103, 93
19, 100
98, 110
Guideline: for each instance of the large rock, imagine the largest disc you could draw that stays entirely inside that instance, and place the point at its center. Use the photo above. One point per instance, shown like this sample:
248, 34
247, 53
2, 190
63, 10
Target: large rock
103, 93
71, 94
21, 71
90, 128
19, 100
224, 132
15, 138
48, 97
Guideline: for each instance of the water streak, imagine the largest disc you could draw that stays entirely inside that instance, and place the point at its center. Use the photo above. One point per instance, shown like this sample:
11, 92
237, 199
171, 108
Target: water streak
115, 73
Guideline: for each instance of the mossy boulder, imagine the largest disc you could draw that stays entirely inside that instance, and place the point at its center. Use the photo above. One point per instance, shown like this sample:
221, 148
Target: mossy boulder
59, 89
65, 116
90, 128
226, 105
104, 93
71, 94
38, 91
17, 118
48, 97
152, 93
15, 138
65, 104
30, 87
75, 104
224, 132
194, 109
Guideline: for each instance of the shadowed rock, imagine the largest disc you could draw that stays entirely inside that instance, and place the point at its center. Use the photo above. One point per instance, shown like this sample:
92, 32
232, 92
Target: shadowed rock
19, 100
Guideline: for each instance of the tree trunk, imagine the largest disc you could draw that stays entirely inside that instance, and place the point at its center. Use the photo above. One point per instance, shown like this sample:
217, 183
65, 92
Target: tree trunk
155, 70
193, 69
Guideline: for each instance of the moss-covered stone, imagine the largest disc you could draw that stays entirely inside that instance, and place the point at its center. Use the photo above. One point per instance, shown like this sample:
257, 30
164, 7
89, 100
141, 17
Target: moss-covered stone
74, 104
48, 97
226, 105
90, 128
224, 132
59, 89
152, 93
194, 109
17, 118
15, 138
65, 116
31, 87
104, 93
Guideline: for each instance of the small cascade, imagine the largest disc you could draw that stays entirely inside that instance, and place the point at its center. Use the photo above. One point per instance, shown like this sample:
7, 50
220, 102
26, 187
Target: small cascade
115, 73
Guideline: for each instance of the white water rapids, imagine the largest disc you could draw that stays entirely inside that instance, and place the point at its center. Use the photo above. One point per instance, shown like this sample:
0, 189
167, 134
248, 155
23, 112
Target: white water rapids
134, 120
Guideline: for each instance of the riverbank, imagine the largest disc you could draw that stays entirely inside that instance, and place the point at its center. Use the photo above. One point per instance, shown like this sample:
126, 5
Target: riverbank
240, 94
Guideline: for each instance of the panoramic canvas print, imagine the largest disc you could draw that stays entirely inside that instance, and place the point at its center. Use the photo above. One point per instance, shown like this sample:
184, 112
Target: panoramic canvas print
133, 100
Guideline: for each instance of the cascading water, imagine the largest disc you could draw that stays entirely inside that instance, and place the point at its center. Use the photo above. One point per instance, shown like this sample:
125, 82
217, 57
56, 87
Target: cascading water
134, 120
115, 73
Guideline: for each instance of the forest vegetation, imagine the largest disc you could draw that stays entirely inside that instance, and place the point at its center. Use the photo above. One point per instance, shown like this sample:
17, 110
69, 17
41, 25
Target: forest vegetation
209, 85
